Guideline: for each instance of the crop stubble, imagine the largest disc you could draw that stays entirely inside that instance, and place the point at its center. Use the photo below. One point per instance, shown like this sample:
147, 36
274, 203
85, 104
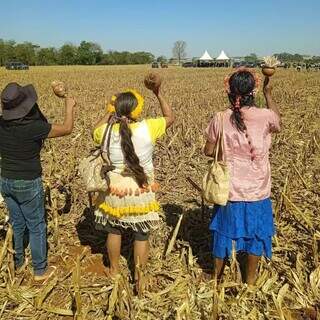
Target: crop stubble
288, 287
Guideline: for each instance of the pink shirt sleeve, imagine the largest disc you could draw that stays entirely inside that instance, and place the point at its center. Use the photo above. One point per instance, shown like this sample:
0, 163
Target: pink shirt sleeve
211, 130
274, 122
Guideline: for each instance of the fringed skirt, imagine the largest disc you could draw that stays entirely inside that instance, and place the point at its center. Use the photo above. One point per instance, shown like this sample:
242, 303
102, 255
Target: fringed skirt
127, 205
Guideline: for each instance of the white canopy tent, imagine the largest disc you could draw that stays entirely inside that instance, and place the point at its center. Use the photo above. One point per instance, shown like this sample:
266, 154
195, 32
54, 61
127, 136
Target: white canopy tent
222, 57
206, 57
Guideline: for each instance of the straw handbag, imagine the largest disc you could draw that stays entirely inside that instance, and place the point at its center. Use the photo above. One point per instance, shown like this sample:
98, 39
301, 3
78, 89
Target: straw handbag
216, 182
93, 169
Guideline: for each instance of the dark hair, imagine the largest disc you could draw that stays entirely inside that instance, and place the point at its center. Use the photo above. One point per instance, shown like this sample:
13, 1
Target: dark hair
124, 104
241, 85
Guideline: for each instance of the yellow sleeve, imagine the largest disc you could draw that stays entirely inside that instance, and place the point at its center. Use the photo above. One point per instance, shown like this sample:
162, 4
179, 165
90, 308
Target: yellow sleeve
98, 134
157, 128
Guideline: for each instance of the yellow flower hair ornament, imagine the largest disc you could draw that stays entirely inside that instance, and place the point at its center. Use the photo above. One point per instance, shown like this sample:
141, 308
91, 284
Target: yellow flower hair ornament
136, 112
110, 106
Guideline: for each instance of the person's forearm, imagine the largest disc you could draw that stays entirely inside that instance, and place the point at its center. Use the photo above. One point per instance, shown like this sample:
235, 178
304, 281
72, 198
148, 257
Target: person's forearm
166, 109
60, 130
68, 117
271, 104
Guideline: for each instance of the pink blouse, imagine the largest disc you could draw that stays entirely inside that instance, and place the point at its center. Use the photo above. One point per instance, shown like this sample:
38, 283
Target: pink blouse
250, 177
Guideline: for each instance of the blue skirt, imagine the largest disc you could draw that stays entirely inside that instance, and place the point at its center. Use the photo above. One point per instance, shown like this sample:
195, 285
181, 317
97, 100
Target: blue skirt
250, 224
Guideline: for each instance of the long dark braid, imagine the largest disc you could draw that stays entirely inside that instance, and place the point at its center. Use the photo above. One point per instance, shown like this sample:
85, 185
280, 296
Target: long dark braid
124, 104
241, 85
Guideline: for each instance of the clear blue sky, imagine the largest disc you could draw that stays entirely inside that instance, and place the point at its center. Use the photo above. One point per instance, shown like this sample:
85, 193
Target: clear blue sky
237, 26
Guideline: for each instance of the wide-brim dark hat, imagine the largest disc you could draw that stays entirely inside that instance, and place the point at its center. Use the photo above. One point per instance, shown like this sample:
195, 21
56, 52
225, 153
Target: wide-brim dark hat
17, 101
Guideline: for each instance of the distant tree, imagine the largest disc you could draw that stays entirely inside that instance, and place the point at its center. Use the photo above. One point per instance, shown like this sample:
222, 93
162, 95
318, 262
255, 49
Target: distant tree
288, 57
179, 50
97, 51
89, 53
125, 57
7, 49
297, 57
67, 54
109, 58
162, 59
47, 56
25, 52
315, 59
253, 58
141, 57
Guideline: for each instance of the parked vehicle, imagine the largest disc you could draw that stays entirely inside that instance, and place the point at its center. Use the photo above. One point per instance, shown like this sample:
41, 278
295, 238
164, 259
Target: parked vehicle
16, 65
187, 64
246, 64
155, 65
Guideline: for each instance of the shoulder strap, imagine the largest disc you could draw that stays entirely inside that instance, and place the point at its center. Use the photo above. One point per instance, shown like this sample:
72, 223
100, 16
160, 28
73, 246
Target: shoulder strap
106, 140
219, 144
104, 137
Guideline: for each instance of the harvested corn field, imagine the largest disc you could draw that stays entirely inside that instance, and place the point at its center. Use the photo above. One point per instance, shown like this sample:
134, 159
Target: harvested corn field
177, 285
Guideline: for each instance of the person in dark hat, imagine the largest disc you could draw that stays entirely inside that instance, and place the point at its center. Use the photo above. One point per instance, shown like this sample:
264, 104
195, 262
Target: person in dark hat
23, 129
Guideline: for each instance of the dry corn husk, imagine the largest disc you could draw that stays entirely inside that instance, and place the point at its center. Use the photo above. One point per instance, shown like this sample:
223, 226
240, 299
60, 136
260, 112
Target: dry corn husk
270, 62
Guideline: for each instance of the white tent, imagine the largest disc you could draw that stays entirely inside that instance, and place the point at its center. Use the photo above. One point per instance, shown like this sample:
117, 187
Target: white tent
222, 56
206, 57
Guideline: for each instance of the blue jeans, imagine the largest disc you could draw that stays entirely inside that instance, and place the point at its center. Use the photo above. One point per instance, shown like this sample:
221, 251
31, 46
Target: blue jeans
25, 201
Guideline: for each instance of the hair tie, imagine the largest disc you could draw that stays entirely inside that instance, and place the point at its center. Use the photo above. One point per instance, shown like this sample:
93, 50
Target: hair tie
117, 119
237, 104
124, 119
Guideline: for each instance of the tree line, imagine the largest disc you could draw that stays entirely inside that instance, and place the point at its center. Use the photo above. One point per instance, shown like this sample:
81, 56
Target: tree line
285, 57
288, 57
91, 53
87, 53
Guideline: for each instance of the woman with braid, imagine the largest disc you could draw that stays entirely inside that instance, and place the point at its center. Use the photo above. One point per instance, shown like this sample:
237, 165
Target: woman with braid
130, 202
247, 218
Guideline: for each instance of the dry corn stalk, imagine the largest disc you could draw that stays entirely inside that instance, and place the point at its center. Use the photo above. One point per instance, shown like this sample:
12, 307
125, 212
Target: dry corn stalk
279, 299
113, 297
77, 292
174, 236
5, 247
10, 253
43, 294
215, 300
55, 219
195, 95
183, 312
